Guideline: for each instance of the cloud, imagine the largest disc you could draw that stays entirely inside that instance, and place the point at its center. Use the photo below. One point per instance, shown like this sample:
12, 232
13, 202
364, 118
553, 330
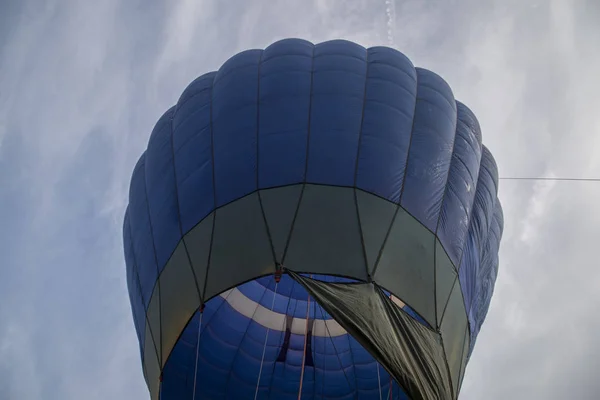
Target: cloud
83, 83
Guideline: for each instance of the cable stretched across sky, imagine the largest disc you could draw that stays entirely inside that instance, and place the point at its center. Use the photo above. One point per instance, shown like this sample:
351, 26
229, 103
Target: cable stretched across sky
550, 179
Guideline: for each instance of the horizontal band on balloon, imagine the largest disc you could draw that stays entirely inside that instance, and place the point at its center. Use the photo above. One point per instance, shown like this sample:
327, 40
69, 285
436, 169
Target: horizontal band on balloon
410, 257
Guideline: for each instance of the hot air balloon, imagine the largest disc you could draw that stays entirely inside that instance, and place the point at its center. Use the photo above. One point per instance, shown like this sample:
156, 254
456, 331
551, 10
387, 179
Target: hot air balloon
312, 222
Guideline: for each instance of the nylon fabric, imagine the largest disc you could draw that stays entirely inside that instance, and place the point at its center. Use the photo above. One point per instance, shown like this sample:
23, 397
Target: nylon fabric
430, 153
411, 353
192, 146
388, 112
462, 182
133, 287
489, 273
291, 118
285, 103
476, 265
142, 241
231, 353
161, 192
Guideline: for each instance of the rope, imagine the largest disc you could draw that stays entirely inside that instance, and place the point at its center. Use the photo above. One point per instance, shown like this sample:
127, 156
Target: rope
391, 380
262, 360
379, 382
552, 179
304, 352
197, 350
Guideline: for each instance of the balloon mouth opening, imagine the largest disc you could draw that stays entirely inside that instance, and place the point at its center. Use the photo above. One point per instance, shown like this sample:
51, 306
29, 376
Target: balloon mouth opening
266, 338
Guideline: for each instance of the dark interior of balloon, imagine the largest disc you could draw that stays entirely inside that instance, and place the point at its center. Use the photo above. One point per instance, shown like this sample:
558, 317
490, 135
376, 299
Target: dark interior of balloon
253, 343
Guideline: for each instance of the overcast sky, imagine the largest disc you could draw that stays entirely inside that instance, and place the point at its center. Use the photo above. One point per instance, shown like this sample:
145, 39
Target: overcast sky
83, 82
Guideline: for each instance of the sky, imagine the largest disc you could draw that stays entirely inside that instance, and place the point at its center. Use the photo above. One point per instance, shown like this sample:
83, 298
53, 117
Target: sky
82, 84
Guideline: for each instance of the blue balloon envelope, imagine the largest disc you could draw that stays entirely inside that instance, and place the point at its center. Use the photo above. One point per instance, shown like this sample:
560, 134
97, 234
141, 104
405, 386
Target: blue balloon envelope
316, 222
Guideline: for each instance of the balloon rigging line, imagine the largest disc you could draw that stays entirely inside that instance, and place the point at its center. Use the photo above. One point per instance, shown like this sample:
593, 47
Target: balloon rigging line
379, 382
335, 350
305, 343
391, 381
198, 340
197, 353
265, 346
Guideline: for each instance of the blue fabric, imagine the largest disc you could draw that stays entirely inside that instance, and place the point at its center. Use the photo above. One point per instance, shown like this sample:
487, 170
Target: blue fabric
234, 115
338, 88
133, 287
488, 274
285, 88
431, 144
462, 182
192, 144
231, 348
161, 191
334, 113
287, 289
480, 257
141, 239
389, 107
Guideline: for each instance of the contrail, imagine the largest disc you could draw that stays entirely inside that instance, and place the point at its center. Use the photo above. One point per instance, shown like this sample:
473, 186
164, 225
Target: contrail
390, 11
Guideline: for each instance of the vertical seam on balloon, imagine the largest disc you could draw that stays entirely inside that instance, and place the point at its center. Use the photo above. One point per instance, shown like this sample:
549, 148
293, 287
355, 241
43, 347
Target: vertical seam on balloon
337, 354
324, 353
187, 253
214, 212
479, 175
304, 347
464, 353
448, 301
475, 295
145, 312
398, 206
360, 135
157, 286
285, 363
442, 336
310, 105
494, 197
462, 300
260, 202
281, 337
437, 325
449, 375
353, 367
314, 349
262, 361
354, 192
437, 225
139, 288
467, 311
386, 301
410, 142
462, 350
237, 351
